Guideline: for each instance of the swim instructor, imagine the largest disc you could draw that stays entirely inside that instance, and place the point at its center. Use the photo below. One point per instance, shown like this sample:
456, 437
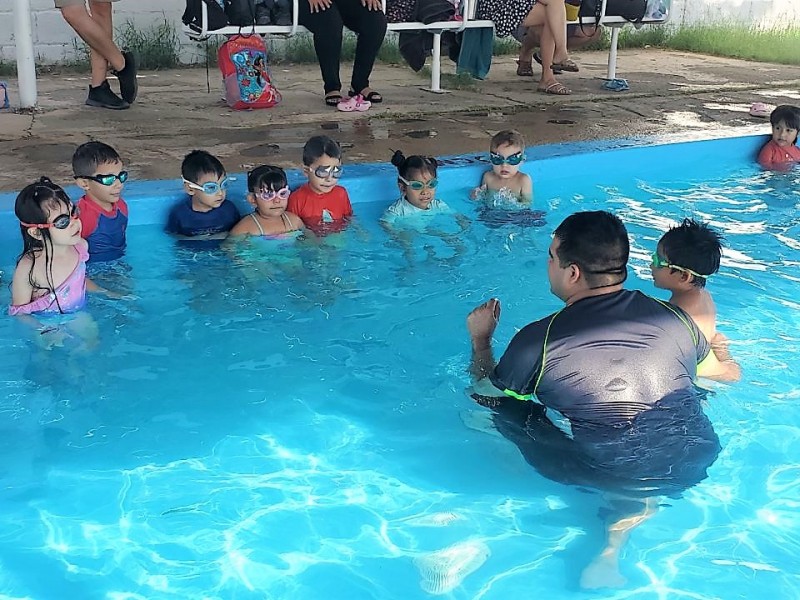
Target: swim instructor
601, 392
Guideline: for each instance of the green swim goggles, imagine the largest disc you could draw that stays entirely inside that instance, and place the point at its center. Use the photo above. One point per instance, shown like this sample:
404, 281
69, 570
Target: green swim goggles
418, 186
661, 263
513, 160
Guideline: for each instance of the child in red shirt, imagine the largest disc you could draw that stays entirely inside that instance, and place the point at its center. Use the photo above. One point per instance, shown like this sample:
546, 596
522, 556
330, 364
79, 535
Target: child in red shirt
781, 152
322, 204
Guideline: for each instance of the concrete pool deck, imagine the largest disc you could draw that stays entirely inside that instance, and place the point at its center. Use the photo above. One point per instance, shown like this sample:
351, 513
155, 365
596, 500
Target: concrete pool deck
670, 92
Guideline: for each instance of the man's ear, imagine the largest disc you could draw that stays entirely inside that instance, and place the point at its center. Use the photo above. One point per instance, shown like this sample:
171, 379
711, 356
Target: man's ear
574, 273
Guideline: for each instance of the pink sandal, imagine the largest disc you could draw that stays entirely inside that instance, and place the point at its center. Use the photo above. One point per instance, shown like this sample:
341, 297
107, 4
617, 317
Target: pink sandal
354, 103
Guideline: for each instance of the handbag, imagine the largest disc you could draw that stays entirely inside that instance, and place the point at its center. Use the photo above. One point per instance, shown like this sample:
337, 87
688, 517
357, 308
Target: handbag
630, 10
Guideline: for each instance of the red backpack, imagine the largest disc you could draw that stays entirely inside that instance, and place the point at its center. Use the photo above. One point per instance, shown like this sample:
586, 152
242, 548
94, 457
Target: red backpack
243, 62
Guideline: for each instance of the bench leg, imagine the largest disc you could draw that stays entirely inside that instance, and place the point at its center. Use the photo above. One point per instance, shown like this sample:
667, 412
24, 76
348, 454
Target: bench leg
612, 53
436, 65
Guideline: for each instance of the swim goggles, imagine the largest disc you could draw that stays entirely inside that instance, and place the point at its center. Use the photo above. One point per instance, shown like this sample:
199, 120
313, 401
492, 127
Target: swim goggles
661, 263
268, 195
499, 159
106, 179
418, 186
211, 187
60, 222
334, 171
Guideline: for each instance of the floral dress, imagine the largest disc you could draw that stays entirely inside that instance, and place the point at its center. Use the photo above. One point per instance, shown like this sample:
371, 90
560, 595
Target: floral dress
506, 14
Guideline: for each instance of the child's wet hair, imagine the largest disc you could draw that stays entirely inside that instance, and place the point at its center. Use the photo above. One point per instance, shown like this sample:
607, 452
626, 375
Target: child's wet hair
198, 163
32, 206
693, 245
320, 145
507, 137
787, 113
90, 155
266, 177
414, 163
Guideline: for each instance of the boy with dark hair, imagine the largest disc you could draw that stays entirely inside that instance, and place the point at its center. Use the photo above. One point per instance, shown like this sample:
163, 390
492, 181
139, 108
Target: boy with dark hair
322, 203
205, 212
686, 256
98, 171
781, 152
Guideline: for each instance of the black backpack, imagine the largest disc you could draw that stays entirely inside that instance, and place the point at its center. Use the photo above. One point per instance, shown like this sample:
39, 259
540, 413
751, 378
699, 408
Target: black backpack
192, 16
241, 13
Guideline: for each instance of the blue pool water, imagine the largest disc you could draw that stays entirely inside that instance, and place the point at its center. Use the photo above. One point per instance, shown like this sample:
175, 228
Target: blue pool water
292, 422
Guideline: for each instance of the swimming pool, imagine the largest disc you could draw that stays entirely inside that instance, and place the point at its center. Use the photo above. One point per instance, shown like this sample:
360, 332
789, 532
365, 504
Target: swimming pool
299, 427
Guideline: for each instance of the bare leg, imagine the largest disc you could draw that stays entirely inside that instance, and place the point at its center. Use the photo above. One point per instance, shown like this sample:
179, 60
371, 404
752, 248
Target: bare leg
548, 48
552, 16
96, 31
603, 571
529, 43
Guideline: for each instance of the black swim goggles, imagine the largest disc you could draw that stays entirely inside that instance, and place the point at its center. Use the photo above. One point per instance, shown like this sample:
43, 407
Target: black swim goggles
60, 222
513, 160
108, 179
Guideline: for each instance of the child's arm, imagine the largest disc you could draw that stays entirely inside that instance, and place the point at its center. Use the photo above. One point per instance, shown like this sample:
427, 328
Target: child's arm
526, 191
21, 287
476, 192
765, 156
244, 227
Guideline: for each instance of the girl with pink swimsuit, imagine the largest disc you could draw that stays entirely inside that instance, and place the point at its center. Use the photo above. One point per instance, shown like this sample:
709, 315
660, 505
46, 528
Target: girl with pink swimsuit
50, 276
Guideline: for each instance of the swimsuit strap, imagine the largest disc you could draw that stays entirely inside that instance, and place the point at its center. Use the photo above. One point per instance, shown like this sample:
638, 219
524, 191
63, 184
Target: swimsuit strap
544, 350
680, 316
287, 222
255, 218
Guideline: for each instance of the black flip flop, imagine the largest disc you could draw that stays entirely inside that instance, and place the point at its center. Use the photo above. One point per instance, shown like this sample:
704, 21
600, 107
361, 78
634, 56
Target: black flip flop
333, 98
373, 96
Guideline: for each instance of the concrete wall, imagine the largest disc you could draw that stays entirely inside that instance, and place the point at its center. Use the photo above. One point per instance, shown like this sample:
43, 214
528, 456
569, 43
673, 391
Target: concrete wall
55, 40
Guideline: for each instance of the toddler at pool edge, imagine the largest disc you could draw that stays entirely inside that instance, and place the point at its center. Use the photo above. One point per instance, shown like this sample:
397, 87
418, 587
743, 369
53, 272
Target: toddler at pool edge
205, 212
322, 204
685, 257
98, 171
781, 152
268, 194
506, 153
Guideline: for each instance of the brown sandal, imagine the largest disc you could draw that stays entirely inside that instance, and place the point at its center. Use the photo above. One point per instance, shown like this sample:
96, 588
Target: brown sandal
524, 69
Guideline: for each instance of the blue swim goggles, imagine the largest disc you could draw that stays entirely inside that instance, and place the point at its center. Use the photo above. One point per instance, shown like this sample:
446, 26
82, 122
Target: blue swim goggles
513, 160
211, 187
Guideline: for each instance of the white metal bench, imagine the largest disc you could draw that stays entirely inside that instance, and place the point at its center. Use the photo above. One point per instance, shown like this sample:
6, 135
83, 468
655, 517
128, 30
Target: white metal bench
437, 28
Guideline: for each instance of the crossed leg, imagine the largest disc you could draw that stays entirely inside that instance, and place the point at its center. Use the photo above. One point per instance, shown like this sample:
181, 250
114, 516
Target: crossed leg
96, 29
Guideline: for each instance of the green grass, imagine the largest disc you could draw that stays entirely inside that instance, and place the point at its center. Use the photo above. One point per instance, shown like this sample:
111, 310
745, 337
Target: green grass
774, 45
157, 46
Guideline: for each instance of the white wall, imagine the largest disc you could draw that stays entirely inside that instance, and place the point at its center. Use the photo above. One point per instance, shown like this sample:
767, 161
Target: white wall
54, 39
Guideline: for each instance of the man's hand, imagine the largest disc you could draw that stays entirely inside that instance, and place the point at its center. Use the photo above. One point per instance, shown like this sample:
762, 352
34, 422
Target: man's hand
319, 5
482, 322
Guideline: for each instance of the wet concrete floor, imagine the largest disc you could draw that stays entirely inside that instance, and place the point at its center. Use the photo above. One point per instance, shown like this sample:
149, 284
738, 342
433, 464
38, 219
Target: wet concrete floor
669, 92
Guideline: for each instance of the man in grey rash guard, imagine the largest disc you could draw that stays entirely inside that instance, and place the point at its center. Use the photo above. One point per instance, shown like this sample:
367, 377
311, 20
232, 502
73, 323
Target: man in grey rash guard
601, 392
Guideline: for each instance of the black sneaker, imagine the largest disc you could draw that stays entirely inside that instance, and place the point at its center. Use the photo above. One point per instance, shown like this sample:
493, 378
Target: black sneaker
128, 86
103, 97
